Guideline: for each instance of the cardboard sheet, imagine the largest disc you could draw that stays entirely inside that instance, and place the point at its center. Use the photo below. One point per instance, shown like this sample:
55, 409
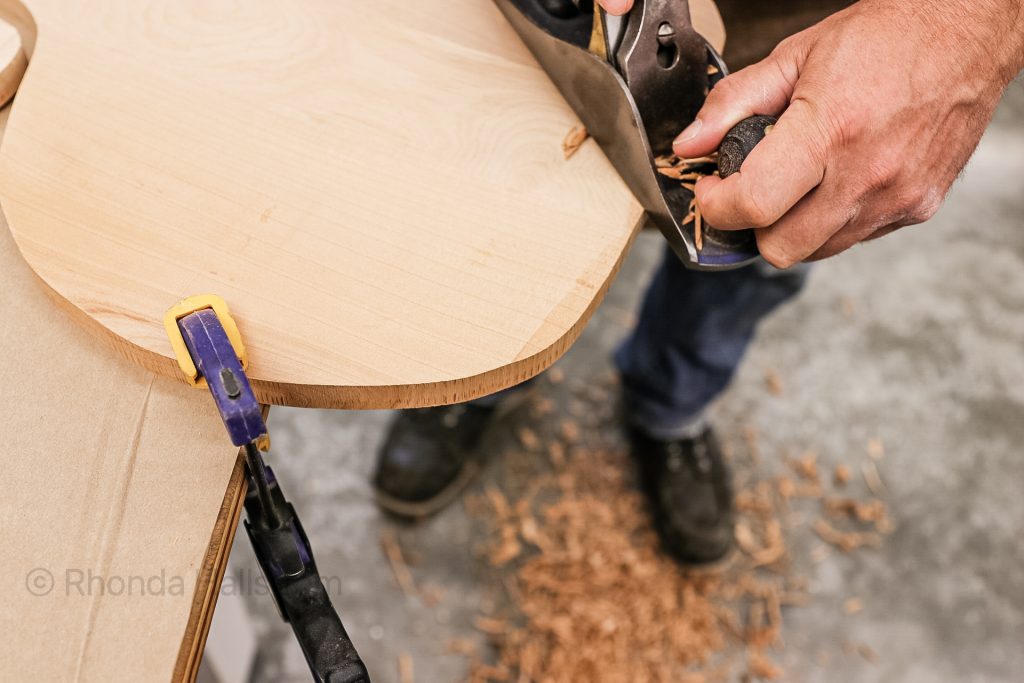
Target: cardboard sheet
114, 521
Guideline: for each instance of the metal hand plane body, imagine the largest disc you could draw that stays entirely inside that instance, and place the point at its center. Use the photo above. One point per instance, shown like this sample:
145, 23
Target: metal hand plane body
635, 83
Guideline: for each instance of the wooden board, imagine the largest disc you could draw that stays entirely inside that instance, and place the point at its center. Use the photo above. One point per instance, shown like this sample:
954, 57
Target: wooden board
12, 61
110, 472
377, 189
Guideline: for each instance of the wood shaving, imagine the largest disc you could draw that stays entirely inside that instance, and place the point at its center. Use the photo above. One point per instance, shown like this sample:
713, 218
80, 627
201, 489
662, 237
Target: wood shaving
848, 307
820, 554
573, 141
842, 476
541, 407
592, 596
491, 626
688, 172
876, 449
846, 541
867, 653
528, 438
405, 672
871, 511
570, 431
698, 227
462, 646
806, 466
399, 568
872, 478
763, 669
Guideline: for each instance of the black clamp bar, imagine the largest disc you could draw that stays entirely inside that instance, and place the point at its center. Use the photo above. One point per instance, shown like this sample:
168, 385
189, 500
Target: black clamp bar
210, 351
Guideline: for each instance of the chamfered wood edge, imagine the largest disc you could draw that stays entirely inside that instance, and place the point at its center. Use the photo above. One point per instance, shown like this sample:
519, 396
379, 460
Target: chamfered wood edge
393, 396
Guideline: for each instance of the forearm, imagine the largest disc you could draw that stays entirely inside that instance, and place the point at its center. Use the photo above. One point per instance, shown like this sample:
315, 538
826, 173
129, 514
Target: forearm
1013, 37
992, 30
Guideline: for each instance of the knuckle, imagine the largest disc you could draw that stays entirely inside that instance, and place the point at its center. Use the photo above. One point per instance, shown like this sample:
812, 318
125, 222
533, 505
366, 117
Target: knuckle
755, 209
923, 204
827, 127
776, 252
788, 45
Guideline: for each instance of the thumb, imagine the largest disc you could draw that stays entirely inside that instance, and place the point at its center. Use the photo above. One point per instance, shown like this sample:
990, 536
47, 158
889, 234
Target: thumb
616, 7
762, 88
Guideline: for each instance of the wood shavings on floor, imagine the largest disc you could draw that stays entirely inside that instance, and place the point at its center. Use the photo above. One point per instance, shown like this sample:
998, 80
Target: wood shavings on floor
591, 596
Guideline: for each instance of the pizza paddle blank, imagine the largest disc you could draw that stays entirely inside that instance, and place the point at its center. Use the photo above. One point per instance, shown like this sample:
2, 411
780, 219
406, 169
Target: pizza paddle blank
377, 190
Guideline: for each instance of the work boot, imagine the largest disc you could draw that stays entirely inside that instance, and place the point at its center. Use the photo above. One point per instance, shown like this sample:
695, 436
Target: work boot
429, 456
689, 487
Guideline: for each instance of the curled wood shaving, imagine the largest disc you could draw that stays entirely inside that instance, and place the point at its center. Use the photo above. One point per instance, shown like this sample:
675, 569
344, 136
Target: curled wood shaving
688, 172
846, 541
698, 227
574, 140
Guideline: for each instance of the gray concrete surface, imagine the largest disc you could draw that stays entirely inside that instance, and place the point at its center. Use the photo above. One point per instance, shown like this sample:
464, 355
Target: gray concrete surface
916, 339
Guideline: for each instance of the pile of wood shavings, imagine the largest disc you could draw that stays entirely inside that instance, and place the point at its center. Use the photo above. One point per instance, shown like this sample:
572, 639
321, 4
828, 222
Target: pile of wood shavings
594, 599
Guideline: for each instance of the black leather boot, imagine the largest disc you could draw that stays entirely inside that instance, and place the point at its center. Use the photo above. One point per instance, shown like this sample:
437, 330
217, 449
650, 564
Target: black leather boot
690, 491
429, 457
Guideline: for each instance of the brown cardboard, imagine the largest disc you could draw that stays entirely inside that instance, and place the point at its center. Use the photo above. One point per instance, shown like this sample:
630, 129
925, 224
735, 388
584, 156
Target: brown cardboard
113, 520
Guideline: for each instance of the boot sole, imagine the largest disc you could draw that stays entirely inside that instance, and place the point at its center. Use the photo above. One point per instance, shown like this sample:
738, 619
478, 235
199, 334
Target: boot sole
426, 508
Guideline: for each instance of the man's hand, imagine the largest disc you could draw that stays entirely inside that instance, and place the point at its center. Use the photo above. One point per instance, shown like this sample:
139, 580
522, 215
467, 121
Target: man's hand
881, 106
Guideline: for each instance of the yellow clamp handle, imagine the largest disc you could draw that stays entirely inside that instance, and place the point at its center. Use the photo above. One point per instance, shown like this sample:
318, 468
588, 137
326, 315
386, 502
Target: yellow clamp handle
187, 307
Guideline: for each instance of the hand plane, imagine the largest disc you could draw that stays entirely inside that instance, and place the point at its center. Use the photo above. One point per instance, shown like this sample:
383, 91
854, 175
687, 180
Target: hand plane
636, 82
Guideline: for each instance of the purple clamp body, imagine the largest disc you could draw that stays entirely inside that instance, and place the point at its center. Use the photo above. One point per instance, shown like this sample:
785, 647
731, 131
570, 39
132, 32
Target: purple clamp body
216, 360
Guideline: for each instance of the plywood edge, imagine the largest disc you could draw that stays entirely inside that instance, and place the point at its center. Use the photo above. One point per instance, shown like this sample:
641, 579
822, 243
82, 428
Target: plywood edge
211, 577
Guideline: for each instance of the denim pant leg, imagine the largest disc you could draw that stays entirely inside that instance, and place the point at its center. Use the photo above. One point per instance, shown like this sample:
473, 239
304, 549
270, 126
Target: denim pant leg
693, 330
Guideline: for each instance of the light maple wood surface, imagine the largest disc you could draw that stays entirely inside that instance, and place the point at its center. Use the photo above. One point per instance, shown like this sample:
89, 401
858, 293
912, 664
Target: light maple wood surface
12, 61
377, 189
110, 472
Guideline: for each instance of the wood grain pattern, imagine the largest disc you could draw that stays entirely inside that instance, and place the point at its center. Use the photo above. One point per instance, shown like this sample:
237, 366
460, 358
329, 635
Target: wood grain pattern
377, 190
110, 472
12, 61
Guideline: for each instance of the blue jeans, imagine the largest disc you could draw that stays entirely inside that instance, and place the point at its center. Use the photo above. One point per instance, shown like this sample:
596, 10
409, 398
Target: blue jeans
693, 330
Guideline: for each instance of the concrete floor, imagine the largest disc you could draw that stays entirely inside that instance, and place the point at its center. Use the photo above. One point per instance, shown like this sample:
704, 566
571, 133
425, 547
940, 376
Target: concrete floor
916, 339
